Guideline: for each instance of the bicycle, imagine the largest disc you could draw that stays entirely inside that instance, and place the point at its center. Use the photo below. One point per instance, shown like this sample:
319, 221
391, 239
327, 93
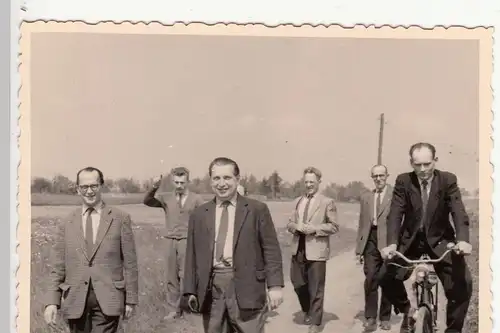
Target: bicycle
424, 281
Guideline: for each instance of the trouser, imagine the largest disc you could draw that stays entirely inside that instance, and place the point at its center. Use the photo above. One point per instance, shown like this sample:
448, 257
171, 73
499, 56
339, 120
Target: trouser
373, 269
93, 319
224, 314
308, 280
176, 253
453, 274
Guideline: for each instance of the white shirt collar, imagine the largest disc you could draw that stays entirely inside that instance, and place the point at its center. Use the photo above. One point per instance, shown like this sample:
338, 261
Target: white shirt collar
98, 208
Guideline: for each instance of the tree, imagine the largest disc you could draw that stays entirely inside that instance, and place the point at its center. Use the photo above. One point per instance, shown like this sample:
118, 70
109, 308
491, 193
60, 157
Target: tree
128, 185
274, 183
264, 188
63, 185
41, 185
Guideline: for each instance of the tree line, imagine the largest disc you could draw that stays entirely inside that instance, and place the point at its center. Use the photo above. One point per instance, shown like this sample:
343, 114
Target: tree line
272, 187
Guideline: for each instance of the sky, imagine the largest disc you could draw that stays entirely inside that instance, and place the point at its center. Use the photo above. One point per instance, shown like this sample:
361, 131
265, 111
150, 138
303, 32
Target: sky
138, 105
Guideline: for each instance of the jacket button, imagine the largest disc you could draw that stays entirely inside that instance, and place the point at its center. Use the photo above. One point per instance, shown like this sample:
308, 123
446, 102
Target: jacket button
86, 282
90, 264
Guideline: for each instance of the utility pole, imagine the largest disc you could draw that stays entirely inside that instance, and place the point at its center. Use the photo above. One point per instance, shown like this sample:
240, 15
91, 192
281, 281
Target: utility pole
380, 139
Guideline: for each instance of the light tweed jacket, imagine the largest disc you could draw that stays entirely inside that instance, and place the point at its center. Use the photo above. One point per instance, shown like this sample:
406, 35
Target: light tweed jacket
112, 265
322, 217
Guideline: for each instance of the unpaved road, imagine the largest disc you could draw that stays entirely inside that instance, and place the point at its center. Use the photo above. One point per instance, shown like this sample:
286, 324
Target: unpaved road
344, 301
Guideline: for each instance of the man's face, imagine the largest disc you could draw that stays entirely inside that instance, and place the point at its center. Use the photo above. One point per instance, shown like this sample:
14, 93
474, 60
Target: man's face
180, 183
379, 176
311, 183
423, 163
224, 182
89, 188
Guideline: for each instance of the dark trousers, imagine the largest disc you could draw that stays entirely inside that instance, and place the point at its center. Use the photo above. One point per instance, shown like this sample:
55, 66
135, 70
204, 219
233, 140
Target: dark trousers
308, 280
93, 320
224, 314
453, 274
374, 268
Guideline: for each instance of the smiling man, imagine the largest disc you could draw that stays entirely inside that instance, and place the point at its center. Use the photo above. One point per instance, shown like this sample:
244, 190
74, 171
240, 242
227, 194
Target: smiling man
94, 275
313, 220
232, 257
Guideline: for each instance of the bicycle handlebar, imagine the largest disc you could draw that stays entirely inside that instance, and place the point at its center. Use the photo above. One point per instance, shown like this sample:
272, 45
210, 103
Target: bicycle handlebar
450, 246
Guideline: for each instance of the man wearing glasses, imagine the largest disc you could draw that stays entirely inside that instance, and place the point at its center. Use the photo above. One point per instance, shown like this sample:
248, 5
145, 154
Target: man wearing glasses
94, 276
372, 237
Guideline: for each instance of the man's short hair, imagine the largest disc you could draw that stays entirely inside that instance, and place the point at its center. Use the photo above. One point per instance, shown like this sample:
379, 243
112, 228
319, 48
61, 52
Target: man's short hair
180, 171
90, 169
224, 161
420, 145
379, 165
314, 171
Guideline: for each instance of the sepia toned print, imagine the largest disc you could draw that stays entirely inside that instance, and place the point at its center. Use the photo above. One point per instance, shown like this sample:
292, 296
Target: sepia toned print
228, 178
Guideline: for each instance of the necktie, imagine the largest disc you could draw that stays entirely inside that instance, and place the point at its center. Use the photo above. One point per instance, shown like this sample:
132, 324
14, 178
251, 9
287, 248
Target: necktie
89, 231
306, 209
179, 200
377, 206
222, 234
425, 200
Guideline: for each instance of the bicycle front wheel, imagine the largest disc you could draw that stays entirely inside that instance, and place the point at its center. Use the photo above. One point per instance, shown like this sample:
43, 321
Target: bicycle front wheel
423, 323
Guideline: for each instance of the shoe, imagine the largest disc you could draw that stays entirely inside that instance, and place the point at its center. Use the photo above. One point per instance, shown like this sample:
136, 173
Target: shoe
406, 324
307, 319
314, 329
385, 325
370, 325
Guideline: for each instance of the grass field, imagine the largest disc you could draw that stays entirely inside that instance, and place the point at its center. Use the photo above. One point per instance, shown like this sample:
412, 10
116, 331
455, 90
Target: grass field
148, 223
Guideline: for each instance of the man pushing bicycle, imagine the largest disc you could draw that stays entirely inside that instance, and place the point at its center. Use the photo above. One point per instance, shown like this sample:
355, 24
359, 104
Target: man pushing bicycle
418, 224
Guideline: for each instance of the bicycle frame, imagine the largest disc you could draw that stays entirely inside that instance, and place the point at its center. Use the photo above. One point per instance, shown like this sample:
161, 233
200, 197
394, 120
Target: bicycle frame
424, 281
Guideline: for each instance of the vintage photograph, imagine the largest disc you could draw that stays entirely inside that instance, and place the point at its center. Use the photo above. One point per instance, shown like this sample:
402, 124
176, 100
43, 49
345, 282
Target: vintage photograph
227, 178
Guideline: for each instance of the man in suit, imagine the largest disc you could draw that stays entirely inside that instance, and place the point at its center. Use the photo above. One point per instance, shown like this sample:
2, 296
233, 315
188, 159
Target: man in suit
94, 275
425, 198
232, 257
372, 236
177, 207
313, 220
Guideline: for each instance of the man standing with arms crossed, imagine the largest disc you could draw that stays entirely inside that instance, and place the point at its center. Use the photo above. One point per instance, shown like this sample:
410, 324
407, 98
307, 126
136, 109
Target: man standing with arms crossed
418, 223
94, 275
177, 207
313, 220
372, 237
234, 269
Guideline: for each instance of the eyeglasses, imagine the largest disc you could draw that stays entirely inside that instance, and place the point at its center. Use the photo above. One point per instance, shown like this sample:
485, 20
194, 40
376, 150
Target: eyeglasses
378, 176
85, 188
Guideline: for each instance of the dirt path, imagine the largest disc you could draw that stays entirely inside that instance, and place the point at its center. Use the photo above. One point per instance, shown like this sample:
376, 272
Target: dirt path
344, 302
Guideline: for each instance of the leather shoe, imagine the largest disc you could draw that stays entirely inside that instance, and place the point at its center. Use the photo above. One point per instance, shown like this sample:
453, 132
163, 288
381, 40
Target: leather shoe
385, 325
370, 325
314, 329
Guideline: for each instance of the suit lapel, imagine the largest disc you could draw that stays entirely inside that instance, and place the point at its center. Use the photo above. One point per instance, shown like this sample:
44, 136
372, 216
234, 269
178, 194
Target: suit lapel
102, 230
416, 194
210, 225
385, 200
239, 218
78, 229
371, 206
314, 207
433, 198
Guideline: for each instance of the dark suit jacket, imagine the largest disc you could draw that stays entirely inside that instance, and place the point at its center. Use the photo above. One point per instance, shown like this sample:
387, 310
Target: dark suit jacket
366, 216
444, 198
257, 259
112, 265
